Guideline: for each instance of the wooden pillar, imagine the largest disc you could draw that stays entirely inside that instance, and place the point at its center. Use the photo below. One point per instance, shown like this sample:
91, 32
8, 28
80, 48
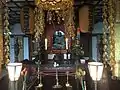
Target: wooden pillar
1, 39
84, 18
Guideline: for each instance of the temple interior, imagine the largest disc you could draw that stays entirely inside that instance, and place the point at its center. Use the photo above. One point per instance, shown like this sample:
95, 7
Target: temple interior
59, 44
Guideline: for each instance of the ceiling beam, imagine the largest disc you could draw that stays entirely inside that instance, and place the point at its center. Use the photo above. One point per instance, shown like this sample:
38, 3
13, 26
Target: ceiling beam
21, 1
17, 5
13, 11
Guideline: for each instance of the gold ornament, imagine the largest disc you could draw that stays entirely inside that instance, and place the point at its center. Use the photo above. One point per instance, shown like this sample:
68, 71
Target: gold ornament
39, 23
6, 38
66, 12
111, 20
105, 31
54, 4
108, 21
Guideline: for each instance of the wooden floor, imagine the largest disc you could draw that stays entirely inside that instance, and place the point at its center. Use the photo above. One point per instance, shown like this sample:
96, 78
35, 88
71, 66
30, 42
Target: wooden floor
4, 83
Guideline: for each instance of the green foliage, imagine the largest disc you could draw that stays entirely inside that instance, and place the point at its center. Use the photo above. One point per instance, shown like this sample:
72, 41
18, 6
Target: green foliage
77, 50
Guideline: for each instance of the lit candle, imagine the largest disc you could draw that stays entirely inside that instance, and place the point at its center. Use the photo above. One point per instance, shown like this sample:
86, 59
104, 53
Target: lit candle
45, 43
66, 40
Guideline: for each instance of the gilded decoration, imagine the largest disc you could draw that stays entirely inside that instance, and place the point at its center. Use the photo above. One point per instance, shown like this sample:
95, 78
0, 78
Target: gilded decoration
64, 10
109, 28
39, 23
105, 31
54, 4
6, 37
117, 40
111, 20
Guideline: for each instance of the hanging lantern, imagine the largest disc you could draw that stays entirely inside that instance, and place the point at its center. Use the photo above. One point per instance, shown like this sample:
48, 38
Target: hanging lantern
14, 70
96, 70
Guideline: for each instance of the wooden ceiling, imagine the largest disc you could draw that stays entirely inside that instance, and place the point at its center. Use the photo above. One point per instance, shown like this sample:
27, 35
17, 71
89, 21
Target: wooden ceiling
15, 6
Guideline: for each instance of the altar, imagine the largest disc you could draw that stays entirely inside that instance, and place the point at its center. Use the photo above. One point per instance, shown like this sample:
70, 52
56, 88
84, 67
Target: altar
55, 48
59, 47
65, 76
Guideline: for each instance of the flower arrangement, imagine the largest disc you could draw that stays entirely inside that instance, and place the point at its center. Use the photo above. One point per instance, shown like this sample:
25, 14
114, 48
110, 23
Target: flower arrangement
77, 49
79, 72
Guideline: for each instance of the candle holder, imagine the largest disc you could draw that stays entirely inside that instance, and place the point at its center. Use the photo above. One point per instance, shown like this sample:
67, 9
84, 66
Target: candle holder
40, 80
67, 83
57, 85
39, 77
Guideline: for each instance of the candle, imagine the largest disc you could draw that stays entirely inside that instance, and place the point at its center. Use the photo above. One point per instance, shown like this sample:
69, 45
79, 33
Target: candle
45, 43
66, 40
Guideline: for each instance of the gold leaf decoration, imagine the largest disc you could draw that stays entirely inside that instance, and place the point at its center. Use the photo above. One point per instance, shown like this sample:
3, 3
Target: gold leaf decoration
39, 23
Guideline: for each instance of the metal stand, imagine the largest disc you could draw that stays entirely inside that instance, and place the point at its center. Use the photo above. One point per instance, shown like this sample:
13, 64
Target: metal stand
82, 83
95, 82
39, 77
67, 83
78, 86
13, 85
24, 84
57, 81
85, 85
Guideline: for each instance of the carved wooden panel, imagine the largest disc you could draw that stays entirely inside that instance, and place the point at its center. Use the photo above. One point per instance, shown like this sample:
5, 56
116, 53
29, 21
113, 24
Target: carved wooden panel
27, 20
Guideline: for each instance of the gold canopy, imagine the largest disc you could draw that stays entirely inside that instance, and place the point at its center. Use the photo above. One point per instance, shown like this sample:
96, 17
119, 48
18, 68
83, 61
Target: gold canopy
54, 4
66, 11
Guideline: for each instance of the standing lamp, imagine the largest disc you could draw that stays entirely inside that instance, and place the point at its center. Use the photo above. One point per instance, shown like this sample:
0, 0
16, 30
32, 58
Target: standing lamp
95, 70
14, 70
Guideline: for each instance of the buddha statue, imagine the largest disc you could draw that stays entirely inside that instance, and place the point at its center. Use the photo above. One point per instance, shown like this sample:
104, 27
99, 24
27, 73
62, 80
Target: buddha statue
58, 40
